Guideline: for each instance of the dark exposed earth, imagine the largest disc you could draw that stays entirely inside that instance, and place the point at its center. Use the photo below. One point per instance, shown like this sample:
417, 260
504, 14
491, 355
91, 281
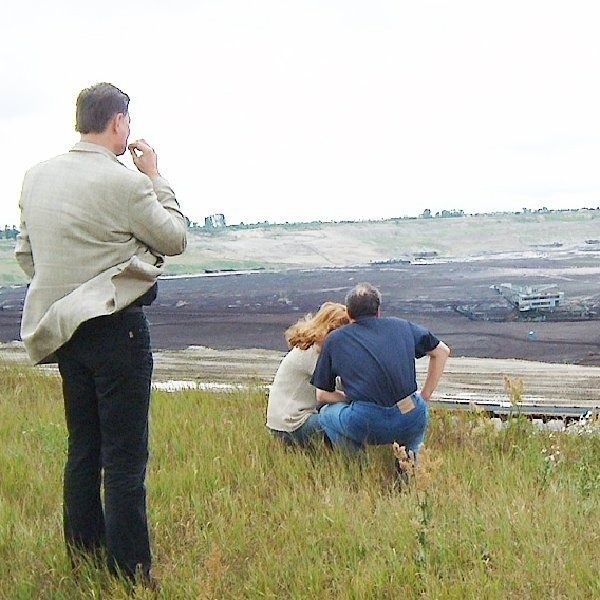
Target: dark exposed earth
252, 310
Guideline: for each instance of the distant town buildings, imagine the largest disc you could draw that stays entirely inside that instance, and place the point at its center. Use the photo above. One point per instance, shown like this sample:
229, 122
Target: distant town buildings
215, 221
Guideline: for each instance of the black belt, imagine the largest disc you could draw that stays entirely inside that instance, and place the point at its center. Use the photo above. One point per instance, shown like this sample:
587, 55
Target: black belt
132, 308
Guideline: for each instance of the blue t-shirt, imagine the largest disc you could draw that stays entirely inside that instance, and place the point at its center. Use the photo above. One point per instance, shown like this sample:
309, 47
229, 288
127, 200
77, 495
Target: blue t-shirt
375, 359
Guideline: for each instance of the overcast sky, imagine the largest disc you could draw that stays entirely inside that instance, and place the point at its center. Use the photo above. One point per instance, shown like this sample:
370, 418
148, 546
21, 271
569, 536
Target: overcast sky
321, 109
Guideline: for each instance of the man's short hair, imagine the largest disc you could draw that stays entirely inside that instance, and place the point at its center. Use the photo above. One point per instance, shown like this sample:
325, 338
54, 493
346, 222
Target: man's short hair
96, 106
363, 300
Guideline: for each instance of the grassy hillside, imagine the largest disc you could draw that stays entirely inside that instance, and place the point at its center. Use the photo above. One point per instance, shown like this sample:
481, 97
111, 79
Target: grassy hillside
490, 514
327, 244
10, 272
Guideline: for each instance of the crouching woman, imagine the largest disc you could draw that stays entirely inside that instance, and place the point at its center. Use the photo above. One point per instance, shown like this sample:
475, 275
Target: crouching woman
292, 407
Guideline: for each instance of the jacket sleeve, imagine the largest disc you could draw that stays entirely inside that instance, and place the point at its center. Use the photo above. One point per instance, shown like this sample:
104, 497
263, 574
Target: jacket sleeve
23, 252
155, 217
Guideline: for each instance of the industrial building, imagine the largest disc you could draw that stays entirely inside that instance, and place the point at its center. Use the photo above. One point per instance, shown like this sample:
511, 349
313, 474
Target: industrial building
529, 298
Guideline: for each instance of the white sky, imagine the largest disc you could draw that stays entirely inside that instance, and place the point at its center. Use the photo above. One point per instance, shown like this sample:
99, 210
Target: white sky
299, 110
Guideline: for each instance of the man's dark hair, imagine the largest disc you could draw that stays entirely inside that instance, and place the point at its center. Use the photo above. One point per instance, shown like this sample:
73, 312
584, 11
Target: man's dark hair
96, 106
363, 300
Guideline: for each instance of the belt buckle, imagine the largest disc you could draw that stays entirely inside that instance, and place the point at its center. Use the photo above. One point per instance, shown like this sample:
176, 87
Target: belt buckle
406, 404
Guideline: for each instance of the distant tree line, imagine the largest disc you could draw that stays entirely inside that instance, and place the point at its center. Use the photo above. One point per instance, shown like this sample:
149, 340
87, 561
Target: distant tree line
444, 214
9, 233
217, 222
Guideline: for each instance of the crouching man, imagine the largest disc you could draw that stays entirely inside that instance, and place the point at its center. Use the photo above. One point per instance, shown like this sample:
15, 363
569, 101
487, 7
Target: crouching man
375, 358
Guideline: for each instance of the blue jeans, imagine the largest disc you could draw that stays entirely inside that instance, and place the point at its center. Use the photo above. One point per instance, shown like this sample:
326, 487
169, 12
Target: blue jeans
301, 436
106, 368
358, 423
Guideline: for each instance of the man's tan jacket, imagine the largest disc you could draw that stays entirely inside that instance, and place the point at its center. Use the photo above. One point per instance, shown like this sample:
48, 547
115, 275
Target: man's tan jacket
93, 235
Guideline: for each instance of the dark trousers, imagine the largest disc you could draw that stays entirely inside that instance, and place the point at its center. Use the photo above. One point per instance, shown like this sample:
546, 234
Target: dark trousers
106, 368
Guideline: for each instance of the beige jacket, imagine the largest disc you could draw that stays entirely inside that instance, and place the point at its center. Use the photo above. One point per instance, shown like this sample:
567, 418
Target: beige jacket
93, 236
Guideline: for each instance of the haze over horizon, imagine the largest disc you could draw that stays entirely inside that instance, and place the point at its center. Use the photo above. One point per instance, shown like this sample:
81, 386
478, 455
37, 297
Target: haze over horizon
331, 110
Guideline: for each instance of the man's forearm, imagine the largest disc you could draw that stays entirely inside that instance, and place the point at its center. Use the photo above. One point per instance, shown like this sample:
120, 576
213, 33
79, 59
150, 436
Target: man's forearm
437, 362
325, 397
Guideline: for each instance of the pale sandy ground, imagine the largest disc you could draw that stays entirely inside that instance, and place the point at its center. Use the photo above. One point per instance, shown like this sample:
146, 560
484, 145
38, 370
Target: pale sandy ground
476, 379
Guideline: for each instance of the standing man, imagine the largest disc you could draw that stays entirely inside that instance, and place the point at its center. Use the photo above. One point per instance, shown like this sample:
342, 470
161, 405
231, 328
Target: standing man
93, 236
375, 358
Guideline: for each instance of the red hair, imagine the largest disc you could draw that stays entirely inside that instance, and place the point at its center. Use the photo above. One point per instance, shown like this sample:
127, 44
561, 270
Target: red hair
312, 329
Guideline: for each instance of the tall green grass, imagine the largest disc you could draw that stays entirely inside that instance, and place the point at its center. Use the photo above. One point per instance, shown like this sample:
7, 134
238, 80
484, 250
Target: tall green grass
235, 515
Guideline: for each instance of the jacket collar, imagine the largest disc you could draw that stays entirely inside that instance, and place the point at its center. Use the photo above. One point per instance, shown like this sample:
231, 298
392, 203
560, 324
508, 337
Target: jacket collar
89, 147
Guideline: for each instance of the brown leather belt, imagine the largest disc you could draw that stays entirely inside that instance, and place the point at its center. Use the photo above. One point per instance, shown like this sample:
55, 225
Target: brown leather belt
406, 404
